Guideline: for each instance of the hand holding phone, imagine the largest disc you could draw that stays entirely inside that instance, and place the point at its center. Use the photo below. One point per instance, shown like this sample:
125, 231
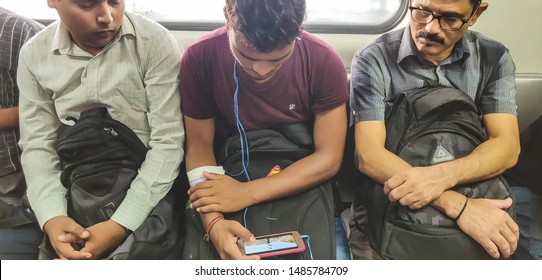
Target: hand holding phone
275, 245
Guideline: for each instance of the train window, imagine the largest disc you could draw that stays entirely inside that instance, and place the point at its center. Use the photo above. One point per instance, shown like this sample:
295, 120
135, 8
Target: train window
324, 16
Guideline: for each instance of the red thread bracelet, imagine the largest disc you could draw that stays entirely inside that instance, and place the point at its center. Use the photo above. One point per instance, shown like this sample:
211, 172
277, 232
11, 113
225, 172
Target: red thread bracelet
210, 226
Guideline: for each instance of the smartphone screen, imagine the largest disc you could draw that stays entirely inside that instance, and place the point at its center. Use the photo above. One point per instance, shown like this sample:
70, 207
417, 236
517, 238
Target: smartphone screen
266, 244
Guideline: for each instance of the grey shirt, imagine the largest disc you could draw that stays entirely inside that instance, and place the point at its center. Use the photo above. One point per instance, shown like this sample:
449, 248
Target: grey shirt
135, 77
391, 64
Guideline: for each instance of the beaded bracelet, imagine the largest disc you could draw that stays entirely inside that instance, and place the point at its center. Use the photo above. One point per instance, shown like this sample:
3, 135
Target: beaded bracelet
462, 209
210, 226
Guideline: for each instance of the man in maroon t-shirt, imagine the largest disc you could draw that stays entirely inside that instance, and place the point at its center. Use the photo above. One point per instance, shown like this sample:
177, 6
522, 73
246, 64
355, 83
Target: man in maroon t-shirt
285, 75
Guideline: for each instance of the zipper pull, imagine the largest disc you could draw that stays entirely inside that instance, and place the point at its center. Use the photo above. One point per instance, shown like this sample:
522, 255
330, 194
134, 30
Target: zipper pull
111, 131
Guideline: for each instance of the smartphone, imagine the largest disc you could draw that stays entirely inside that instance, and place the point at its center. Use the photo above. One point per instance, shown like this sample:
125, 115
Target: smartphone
275, 245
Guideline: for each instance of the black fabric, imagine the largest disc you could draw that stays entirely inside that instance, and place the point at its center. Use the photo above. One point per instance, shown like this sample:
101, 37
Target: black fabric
528, 170
309, 212
100, 157
425, 127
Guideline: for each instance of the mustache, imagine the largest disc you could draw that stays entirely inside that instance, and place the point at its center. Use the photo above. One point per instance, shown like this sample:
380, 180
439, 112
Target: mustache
429, 36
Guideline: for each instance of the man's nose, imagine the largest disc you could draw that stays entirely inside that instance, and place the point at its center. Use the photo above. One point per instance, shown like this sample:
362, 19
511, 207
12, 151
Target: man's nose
263, 68
433, 26
104, 15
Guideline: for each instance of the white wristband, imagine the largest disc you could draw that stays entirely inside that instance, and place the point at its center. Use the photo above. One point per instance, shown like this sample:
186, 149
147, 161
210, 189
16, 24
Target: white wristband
195, 176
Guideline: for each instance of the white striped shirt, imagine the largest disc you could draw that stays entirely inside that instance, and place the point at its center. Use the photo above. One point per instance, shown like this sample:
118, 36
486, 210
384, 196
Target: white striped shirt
135, 77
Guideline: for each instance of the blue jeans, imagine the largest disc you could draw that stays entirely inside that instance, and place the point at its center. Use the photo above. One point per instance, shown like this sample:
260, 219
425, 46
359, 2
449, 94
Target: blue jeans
529, 218
20, 243
343, 250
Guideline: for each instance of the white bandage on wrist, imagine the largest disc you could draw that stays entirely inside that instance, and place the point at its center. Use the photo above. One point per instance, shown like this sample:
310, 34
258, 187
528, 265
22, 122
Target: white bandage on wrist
195, 176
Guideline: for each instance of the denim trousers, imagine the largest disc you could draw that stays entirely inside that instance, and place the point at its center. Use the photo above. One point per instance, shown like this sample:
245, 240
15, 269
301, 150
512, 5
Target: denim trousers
529, 219
20, 243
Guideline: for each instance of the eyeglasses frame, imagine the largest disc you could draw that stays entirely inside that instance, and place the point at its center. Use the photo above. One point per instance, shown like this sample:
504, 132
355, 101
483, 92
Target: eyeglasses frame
438, 17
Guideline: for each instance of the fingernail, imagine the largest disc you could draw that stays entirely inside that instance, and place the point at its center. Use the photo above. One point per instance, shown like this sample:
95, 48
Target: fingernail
252, 238
191, 206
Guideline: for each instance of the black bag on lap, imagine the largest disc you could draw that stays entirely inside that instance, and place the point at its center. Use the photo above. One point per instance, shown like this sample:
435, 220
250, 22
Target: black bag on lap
309, 212
100, 157
425, 127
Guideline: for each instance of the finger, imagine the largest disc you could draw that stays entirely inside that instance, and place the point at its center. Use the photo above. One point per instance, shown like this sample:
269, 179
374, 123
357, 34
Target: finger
200, 202
209, 209
398, 193
68, 238
387, 188
211, 176
510, 238
410, 202
502, 245
513, 226
490, 248
395, 182
68, 252
90, 248
201, 193
77, 230
500, 203
200, 186
243, 233
60, 256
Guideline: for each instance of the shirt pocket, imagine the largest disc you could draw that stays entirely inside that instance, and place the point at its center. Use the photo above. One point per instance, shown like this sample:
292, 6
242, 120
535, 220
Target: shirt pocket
137, 98
131, 108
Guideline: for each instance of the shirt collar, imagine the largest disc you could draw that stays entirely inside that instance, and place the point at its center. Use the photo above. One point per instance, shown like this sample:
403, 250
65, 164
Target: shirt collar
63, 43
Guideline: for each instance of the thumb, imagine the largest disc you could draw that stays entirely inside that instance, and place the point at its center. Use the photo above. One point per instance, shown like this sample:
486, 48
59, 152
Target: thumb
211, 176
501, 203
77, 230
243, 233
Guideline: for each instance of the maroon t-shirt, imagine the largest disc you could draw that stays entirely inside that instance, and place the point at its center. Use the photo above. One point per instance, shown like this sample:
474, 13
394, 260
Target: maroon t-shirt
313, 80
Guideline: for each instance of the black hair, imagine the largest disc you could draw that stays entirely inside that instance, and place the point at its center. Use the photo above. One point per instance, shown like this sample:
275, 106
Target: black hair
266, 24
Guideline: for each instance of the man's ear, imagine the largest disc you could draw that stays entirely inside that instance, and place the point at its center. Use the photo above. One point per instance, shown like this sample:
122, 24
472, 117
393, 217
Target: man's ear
52, 4
483, 6
226, 16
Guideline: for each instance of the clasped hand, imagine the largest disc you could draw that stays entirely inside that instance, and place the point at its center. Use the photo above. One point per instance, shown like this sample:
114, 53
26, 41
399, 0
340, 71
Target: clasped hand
72, 241
417, 186
220, 193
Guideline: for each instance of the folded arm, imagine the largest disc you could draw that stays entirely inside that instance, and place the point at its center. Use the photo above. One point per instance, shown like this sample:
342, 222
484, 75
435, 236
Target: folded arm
416, 187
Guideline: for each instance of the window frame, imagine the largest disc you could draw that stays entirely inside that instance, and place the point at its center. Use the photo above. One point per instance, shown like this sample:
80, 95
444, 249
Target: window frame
338, 28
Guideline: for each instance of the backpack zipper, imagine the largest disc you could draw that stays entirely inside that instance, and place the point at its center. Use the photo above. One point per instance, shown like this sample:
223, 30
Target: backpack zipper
111, 131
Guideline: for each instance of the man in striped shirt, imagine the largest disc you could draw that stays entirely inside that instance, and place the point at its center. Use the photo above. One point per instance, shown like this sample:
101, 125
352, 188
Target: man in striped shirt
438, 45
20, 234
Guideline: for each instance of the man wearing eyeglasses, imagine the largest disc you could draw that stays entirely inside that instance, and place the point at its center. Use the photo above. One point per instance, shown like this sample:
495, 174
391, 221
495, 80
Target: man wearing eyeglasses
438, 45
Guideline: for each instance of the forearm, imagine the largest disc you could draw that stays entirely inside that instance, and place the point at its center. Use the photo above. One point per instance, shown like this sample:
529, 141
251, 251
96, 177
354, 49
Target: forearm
374, 159
39, 159
160, 168
380, 164
488, 160
9, 118
329, 138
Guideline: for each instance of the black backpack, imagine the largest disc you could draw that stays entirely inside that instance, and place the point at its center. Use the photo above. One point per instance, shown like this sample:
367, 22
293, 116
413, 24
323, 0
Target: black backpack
425, 127
309, 212
100, 157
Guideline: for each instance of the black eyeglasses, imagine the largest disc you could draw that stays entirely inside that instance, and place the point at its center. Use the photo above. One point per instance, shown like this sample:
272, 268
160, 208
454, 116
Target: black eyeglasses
450, 23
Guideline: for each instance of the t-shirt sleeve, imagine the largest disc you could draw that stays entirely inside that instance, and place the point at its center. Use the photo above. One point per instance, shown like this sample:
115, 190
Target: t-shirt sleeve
194, 80
330, 82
